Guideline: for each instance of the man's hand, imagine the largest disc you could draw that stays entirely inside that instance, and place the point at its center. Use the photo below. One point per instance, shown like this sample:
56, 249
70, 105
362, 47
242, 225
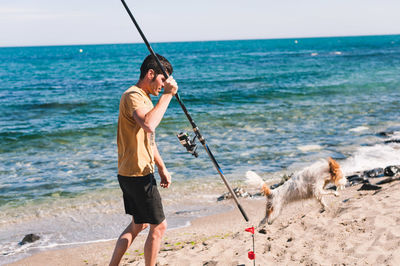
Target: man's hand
170, 86
165, 177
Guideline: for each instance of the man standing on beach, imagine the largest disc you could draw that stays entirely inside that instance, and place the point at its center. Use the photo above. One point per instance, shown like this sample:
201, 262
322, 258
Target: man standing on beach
137, 154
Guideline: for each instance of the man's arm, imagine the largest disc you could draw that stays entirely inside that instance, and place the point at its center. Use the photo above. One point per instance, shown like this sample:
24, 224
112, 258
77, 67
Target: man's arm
162, 169
150, 119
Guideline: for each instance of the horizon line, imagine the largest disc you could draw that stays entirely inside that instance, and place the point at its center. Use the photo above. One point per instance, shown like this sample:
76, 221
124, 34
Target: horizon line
211, 40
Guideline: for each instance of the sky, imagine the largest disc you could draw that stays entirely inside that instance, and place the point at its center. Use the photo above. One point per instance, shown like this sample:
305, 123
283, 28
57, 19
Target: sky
66, 22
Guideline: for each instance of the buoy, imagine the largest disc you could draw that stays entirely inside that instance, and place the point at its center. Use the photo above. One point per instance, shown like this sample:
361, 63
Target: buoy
80, 50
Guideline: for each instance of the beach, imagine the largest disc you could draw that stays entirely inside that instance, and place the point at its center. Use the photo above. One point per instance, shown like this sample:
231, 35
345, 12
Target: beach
269, 106
359, 228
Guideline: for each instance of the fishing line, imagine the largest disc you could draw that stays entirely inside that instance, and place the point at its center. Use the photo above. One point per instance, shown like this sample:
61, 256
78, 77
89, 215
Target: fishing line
183, 138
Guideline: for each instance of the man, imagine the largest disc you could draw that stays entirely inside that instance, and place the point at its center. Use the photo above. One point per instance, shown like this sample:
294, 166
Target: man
137, 154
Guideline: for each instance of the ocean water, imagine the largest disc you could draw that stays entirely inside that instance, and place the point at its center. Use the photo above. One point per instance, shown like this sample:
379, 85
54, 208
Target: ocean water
271, 106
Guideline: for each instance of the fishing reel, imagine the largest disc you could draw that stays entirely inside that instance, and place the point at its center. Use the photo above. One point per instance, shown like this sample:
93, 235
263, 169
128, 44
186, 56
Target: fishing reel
190, 145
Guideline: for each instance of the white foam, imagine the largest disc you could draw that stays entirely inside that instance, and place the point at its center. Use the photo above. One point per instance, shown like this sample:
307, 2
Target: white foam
396, 135
306, 148
53, 245
370, 157
359, 129
4, 185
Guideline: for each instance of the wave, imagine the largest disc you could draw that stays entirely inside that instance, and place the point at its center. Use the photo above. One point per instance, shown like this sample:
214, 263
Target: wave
307, 148
359, 129
370, 157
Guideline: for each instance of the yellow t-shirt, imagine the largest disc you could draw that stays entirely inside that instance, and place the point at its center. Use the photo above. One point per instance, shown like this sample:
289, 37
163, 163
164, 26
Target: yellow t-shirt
135, 153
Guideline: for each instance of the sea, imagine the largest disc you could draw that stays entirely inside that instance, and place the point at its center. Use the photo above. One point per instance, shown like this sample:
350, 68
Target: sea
270, 106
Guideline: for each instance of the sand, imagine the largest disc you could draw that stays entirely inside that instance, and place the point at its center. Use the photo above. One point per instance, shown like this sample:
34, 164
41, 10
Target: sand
359, 228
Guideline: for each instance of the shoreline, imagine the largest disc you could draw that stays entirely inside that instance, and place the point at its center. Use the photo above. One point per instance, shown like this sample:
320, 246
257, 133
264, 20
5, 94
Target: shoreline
360, 227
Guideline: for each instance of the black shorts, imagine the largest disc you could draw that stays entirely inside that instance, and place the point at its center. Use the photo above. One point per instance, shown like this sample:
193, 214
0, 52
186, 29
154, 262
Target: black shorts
142, 199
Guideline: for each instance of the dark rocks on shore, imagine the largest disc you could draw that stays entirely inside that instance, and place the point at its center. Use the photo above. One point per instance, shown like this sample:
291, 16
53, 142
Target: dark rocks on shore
388, 180
390, 135
368, 186
357, 179
239, 192
284, 178
29, 238
362, 178
276, 185
377, 172
392, 170
392, 141
385, 133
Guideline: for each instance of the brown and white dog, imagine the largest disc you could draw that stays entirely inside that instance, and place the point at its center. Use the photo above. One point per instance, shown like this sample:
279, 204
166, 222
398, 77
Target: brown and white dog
309, 182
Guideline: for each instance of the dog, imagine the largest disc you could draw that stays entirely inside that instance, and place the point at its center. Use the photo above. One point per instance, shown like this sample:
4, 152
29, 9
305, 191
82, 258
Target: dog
309, 182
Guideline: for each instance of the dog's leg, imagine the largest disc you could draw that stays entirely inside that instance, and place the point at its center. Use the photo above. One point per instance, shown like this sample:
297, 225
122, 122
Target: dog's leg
322, 202
319, 192
325, 183
329, 192
264, 220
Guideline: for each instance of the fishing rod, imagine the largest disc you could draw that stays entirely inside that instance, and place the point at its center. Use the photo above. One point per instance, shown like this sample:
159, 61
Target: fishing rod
183, 137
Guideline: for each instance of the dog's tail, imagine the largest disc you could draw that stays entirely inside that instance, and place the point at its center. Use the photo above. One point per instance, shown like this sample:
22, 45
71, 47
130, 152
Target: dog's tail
255, 180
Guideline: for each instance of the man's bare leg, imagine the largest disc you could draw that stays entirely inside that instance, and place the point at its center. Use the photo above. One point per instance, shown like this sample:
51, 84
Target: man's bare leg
152, 245
125, 240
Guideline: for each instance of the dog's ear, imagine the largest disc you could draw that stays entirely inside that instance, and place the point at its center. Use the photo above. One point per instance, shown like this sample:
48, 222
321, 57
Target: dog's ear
265, 189
334, 169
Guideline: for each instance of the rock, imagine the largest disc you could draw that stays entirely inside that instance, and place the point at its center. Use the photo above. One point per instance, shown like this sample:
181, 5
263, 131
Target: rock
356, 179
369, 187
385, 181
210, 263
276, 185
377, 172
392, 170
392, 141
239, 192
284, 178
262, 231
386, 133
30, 238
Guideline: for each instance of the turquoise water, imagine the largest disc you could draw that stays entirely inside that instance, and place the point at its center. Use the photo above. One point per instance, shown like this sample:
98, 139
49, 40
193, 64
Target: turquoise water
264, 105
